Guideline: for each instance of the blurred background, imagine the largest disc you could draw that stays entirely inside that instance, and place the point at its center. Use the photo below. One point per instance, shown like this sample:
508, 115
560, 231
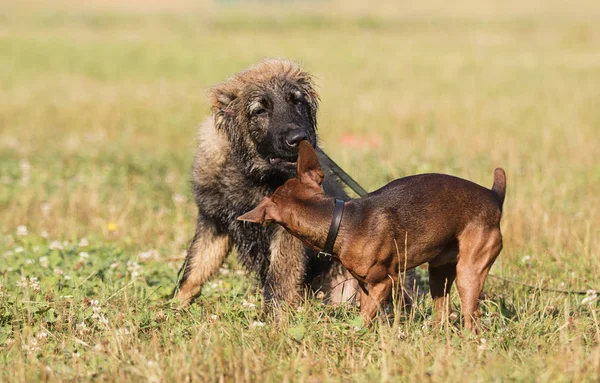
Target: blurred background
100, 100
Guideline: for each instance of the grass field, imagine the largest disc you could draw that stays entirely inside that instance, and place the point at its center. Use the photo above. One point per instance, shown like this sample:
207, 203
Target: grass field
99, 104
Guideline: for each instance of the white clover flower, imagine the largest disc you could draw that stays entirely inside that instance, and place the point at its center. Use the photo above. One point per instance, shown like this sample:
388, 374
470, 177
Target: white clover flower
22, 283
58, 271
83, 255
36, 249
240, 272
34, 284
114, 265
98, 316
147, 255
29, 261
44, 234
83, 242
300, 309
257, 324
526, 259
56, 245
224, 271
19, 250
213, 317
67, 277
590, 297
42, 335
22, 230
247, 304
134, 268
32, 347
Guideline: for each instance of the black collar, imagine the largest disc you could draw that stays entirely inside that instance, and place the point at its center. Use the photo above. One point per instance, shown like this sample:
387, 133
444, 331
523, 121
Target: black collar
334, 228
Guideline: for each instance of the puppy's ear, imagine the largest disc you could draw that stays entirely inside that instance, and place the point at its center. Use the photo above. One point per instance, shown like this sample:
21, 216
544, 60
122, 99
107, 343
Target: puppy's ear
222, 97
309, 169
265, 212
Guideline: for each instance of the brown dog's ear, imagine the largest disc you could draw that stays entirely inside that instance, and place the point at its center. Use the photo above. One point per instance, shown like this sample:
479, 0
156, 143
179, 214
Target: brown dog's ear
265, 212
309, 169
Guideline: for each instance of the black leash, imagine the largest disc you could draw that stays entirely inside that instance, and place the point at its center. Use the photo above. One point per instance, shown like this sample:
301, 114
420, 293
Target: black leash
334, 228
341, 174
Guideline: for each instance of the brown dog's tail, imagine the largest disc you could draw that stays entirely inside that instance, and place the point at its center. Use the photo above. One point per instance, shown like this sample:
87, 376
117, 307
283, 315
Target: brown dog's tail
499, 187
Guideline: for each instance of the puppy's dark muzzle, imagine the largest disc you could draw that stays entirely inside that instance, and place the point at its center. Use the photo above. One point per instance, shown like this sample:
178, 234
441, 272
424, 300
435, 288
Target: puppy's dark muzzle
294, 137
284, 153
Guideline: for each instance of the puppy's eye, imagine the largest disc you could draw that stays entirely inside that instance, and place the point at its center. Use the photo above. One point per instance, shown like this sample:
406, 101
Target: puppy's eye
259, 112
296, 97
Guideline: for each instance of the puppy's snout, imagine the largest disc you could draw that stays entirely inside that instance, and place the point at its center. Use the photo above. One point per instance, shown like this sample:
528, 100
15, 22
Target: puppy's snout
294, 137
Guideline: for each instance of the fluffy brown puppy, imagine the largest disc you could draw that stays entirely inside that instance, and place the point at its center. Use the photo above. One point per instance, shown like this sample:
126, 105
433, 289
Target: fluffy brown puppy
246, 149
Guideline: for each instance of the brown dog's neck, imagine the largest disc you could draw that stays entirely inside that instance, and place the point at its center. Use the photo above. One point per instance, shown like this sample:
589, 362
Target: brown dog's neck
313, 226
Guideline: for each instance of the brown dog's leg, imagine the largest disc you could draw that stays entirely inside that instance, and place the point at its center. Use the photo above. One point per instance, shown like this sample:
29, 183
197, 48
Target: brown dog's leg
285, 276
441, 279
204, 257
378, 294
478, 249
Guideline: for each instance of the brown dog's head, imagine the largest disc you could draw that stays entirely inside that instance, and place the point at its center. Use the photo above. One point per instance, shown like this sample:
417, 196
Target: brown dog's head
266, 111
292, 195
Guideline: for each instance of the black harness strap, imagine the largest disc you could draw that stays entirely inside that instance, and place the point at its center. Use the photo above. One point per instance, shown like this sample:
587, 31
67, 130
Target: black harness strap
334, 228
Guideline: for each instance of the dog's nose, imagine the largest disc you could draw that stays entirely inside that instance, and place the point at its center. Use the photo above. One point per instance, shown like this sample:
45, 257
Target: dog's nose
294, 138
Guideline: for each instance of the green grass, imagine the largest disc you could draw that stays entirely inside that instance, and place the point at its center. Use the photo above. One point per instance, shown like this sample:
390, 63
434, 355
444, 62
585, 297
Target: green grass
98, 112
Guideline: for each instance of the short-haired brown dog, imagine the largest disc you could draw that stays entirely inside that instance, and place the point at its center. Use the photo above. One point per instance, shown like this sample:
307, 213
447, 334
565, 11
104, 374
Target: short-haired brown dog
451, 223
